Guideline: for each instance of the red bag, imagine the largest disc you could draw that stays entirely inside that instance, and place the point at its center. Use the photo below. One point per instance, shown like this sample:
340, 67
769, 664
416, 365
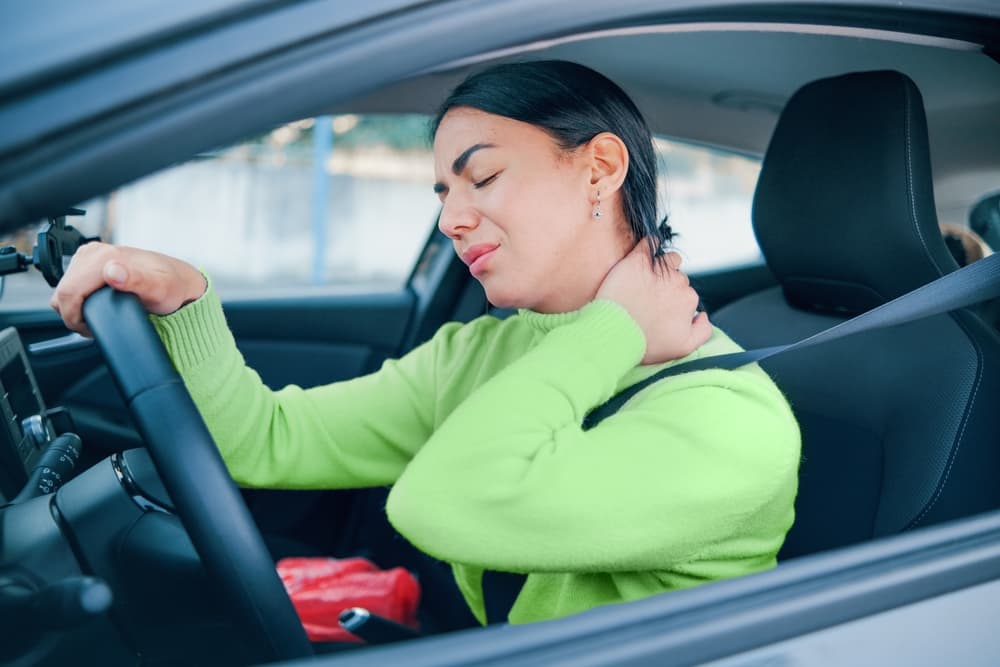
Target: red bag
321, 588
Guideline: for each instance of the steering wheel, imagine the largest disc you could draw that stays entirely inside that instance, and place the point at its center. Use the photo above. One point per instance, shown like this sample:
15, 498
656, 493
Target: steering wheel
206, 499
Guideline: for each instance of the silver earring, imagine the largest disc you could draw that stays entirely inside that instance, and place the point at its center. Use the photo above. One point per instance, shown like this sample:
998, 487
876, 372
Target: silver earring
597, 206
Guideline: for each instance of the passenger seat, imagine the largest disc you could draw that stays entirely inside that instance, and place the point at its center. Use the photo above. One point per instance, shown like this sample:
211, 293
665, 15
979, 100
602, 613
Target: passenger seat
901, 427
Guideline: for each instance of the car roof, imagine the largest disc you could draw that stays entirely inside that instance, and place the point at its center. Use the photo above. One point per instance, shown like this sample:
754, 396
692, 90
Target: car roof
45, 39
724, 84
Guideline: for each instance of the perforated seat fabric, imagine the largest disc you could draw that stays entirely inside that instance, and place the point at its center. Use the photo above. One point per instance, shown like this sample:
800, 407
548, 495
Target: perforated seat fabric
901, 427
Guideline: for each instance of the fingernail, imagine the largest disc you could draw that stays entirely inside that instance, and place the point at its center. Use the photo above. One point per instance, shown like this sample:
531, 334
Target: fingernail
115, 273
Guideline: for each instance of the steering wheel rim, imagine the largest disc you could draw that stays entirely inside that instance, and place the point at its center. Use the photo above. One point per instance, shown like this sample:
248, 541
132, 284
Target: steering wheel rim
205, 497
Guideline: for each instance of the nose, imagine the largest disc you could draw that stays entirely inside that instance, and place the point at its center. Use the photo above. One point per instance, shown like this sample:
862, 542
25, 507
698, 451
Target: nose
457, 217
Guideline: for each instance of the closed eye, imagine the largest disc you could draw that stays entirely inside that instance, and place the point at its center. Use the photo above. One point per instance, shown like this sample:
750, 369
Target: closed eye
486, 181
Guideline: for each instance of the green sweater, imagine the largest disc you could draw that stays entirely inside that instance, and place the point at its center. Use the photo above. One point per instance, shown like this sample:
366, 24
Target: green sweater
478, 431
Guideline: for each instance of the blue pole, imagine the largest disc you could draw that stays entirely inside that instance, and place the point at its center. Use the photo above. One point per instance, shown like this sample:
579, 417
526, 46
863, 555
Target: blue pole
322, 146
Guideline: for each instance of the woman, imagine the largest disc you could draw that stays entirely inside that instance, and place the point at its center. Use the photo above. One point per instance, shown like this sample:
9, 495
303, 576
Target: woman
546, 176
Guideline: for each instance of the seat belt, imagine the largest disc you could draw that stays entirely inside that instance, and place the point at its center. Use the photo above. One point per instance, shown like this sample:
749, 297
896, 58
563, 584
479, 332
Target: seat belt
972, 284
500, 591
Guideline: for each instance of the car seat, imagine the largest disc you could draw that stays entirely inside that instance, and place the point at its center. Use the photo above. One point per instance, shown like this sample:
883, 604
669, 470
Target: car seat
900, 426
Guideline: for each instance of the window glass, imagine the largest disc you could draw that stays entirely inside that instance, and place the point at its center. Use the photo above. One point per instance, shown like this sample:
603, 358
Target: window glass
321, 205
345, 203
708, 195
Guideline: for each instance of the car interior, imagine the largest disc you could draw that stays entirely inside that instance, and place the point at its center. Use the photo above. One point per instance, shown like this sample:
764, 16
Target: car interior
870, 140
874, 161
877, 409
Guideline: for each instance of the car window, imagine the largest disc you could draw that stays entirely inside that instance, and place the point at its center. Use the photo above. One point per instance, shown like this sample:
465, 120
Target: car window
344, 203
322, 205
708, 194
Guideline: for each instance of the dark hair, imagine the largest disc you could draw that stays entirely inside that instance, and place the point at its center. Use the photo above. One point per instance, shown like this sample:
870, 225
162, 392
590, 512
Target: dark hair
573, 104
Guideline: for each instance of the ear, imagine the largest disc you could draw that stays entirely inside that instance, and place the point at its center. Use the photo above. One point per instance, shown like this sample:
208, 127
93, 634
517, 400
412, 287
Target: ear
608, 163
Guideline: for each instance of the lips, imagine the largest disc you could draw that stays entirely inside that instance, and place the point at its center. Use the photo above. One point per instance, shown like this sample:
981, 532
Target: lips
476, 256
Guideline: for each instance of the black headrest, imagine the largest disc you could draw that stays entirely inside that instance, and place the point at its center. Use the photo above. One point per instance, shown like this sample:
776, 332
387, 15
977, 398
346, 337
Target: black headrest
844, 207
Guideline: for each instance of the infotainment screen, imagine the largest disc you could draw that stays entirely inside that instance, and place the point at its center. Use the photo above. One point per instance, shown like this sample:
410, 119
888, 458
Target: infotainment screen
26, 429
19, 392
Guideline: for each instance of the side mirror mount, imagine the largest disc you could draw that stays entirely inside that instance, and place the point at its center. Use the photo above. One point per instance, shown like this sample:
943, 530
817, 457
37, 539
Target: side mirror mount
55, 245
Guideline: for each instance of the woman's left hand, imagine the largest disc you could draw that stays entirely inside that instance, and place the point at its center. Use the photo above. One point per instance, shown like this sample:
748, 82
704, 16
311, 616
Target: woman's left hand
661, 301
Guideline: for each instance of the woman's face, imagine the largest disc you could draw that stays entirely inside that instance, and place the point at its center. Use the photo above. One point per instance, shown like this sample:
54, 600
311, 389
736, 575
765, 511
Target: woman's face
519, 212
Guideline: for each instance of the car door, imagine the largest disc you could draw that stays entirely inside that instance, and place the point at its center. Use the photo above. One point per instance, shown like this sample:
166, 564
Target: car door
921, 598
288, 341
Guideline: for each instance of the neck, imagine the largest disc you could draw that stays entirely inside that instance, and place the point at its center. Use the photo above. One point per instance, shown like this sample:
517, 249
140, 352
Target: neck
593, 260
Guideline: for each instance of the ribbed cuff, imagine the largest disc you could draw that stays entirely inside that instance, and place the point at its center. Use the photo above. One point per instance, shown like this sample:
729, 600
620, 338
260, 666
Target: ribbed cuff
195, 332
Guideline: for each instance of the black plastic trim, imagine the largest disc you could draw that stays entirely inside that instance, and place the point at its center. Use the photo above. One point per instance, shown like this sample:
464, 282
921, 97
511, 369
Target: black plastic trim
373, 320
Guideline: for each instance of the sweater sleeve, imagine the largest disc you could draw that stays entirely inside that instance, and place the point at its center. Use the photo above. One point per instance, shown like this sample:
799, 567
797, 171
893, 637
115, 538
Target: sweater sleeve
356, 433
511, 482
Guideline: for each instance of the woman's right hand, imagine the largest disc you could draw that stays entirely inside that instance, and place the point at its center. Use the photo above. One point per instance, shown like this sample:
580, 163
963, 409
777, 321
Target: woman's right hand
162, 283
661, 301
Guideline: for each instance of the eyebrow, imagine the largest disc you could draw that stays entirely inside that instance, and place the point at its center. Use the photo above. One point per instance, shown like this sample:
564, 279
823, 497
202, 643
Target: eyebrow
458, 166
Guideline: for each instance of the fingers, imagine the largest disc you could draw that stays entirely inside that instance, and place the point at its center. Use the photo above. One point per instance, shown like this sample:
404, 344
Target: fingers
116, 275
93, 266
659, 297
162, 283
83, 277
132, 273
674, 273
71, 315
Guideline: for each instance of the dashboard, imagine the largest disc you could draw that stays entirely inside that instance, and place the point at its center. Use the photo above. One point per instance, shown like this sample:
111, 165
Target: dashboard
27, 428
